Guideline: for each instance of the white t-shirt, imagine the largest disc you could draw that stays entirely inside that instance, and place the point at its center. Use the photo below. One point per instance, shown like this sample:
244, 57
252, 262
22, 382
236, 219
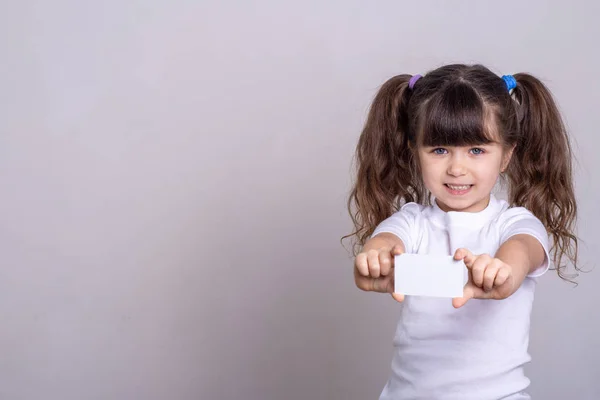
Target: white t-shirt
476, 352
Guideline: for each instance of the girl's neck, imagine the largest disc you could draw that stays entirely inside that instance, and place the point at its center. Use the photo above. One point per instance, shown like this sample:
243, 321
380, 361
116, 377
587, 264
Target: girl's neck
476, 207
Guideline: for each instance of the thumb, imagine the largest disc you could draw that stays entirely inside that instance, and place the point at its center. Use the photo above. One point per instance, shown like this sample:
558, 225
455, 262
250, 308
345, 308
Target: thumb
468, 293
398, 297
471, 292
397, 250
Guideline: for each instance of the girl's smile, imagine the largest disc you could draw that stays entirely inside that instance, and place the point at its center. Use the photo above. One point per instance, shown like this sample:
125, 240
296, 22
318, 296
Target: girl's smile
461, 178
458, 190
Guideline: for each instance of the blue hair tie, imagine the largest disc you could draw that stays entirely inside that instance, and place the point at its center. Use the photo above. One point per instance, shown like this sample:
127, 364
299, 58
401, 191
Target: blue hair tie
510, 82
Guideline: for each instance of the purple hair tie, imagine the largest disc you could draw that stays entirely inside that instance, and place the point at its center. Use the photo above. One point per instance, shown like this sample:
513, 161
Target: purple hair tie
413, 80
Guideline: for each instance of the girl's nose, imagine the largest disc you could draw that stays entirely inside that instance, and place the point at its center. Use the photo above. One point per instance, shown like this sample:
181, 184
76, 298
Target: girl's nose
456, 167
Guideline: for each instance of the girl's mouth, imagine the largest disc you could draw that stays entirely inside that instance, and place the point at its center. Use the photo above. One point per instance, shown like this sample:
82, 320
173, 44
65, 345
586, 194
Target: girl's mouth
458, 189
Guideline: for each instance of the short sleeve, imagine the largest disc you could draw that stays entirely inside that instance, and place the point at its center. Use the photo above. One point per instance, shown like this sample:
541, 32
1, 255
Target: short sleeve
402, 224
518, 221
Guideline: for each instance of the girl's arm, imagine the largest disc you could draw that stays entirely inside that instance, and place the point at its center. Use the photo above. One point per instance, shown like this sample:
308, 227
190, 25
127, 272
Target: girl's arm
383, 240
500, 276
524, 254
373, 265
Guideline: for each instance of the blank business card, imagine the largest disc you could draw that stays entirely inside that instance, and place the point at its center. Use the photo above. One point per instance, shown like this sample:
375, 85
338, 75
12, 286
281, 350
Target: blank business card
429, 275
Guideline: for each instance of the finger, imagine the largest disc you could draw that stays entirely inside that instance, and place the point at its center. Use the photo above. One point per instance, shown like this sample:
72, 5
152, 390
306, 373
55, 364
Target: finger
385, 262
489, 275
399, 297
478, 268
382, 284
361, 264
502, 276
362, 282
368, 284
459, 254
373, 263
471, 292
465, 255
479, 293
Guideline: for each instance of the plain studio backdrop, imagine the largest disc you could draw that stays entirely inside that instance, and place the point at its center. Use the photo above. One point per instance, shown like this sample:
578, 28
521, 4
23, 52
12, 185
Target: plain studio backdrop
174, 177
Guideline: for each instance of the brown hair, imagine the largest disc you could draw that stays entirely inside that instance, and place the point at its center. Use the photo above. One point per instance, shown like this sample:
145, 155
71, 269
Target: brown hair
453, 106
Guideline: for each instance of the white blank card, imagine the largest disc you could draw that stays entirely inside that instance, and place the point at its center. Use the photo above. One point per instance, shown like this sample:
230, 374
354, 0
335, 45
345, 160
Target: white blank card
429, 275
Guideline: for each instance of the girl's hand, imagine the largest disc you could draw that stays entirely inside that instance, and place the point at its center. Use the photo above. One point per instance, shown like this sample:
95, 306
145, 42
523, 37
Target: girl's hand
374, 270
489, 278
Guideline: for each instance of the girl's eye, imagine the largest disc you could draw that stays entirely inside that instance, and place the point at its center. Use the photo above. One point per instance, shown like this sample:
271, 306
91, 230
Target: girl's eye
477, 151
439, 151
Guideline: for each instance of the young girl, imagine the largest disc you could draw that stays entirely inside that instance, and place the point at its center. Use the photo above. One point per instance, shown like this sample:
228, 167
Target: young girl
430, 154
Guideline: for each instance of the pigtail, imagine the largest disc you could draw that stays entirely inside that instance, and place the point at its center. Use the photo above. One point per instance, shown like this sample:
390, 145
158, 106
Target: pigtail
385, 166
540, 171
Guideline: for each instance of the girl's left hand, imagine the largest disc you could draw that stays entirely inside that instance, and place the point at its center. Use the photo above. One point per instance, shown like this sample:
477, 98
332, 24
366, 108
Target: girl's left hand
489, 278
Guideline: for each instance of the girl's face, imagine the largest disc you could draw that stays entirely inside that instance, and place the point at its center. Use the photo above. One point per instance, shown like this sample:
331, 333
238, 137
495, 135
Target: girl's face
461, 178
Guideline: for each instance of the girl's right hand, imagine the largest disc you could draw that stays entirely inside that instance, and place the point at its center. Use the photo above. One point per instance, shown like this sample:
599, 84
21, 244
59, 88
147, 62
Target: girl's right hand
374, 270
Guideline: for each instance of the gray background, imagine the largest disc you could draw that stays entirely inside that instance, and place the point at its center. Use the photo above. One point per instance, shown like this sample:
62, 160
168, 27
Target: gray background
174, 177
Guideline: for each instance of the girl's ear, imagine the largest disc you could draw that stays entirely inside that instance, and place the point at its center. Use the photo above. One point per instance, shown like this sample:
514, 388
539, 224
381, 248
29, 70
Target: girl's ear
506, 158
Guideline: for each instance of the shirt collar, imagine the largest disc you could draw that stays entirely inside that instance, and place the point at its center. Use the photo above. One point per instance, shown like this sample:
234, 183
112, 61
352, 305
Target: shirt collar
479, 218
